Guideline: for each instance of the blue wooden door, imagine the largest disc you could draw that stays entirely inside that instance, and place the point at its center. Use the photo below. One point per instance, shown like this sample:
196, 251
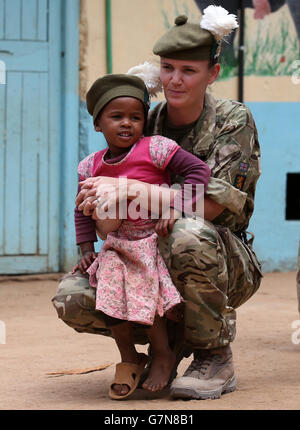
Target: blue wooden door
29, 135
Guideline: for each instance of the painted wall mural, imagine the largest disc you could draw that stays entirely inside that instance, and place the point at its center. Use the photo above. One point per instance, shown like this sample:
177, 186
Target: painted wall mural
271, 42
268, 52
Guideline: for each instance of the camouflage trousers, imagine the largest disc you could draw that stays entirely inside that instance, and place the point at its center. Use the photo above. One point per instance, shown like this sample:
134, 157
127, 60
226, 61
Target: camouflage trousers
213, 269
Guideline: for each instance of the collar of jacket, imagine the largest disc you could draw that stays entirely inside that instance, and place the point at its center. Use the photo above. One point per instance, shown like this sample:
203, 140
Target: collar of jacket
201, 138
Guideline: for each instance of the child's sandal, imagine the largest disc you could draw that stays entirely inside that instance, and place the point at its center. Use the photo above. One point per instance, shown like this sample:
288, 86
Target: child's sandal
128, 374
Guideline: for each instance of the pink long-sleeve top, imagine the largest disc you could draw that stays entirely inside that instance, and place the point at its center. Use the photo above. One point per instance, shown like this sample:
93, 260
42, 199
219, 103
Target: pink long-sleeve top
165, 155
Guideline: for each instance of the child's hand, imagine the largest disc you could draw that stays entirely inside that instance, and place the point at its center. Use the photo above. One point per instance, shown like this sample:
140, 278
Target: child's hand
85, 262
165, 226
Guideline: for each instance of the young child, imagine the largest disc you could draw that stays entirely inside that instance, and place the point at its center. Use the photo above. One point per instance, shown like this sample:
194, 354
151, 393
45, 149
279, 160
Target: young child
132, 281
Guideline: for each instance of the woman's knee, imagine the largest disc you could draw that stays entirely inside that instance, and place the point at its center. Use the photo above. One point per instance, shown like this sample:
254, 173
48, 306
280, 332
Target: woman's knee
191, 252
73, 296
192, 234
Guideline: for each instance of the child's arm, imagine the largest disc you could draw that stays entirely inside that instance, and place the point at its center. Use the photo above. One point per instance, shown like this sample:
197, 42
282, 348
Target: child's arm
84, 228
85, 238
195, 172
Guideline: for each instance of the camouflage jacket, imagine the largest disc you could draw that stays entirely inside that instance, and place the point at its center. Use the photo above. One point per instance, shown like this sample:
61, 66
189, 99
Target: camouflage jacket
225, 137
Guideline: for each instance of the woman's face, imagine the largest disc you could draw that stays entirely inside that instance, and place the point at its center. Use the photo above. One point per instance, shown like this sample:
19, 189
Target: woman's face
185, 81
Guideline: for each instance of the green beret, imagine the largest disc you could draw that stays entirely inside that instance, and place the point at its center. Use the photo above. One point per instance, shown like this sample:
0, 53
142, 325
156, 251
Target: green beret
110, 87
186, 41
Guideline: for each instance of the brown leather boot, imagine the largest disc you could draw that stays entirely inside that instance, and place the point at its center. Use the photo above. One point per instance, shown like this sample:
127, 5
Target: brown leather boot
210, 374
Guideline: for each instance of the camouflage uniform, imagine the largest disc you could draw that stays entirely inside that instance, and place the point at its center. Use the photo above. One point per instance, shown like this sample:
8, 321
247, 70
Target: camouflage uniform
212, 264
215, 270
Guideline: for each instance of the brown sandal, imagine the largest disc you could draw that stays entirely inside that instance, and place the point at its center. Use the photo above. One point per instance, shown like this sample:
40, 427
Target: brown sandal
128, 374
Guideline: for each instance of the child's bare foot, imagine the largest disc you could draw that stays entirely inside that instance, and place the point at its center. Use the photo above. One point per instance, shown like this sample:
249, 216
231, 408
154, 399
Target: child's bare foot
160, 372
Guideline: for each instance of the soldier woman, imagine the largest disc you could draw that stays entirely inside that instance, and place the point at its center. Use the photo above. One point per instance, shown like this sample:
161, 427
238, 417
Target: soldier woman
213, 264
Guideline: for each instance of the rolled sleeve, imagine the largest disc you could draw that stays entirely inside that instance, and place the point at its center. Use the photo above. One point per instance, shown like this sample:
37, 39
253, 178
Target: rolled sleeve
227, 195
234, 162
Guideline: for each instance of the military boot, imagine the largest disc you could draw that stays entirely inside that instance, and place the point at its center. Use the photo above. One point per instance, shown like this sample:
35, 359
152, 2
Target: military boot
210, 374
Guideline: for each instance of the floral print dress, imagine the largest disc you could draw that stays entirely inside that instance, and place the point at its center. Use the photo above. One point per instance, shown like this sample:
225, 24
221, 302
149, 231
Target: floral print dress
130, 275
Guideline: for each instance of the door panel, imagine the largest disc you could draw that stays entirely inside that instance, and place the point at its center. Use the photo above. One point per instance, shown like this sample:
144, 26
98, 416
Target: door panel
27, 142
24, 20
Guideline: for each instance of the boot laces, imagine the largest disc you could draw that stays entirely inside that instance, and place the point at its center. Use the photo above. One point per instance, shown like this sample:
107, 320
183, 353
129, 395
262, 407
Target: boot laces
200, 365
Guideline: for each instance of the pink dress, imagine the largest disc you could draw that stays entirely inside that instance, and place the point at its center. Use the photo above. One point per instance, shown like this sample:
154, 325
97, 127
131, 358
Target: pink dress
132, 280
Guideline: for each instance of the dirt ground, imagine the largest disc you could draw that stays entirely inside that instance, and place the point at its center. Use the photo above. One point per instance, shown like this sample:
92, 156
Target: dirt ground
267, 361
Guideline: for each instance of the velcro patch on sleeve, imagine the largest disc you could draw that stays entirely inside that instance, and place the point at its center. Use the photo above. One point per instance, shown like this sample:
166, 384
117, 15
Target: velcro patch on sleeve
239, 181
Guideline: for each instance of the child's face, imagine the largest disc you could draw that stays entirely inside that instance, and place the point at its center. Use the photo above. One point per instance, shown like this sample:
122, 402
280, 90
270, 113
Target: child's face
122, 122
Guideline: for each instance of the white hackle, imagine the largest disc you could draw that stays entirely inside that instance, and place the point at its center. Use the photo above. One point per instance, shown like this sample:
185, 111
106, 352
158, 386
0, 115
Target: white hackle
218, 21
149, 73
